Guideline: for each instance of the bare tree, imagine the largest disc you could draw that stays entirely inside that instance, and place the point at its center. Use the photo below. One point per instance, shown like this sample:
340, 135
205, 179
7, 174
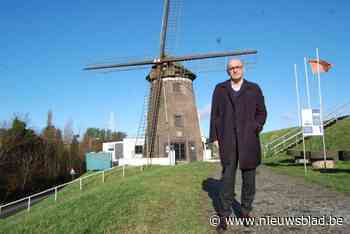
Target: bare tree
68, 132
49, 119
5, 125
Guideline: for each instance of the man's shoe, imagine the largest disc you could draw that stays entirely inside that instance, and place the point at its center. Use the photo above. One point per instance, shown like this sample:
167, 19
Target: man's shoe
247, 219
222, 225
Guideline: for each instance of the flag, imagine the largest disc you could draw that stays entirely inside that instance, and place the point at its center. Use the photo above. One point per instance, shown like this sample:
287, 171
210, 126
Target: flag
324, 65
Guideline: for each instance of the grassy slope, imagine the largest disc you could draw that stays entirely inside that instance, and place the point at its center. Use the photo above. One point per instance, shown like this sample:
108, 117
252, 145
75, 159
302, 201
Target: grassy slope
271, 135
337, 137
157, 200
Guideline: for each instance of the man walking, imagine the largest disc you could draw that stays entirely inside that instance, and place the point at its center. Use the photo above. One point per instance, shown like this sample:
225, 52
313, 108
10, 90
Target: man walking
238, 114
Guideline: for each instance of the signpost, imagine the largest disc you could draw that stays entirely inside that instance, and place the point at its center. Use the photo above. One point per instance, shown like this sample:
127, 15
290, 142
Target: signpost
311, 122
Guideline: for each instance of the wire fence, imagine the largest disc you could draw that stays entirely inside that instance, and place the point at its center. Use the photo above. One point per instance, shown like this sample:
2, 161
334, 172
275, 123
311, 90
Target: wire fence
53, 191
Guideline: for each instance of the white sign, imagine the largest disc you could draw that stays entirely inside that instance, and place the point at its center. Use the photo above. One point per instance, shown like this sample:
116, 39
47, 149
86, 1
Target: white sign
171, 155
72, 171
311, 122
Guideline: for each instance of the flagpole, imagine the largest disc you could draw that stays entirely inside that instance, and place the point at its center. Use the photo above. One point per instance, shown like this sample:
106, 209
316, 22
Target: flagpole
308, 96
299, 112
321, 115
307, 83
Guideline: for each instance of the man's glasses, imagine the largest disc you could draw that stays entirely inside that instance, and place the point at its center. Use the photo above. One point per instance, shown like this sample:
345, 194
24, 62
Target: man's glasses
236, 67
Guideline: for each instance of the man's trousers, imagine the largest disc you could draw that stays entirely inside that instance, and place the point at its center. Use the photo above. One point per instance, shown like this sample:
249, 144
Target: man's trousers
227, 192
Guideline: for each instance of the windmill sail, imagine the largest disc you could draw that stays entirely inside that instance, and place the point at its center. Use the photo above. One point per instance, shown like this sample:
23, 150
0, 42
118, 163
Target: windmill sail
173, 30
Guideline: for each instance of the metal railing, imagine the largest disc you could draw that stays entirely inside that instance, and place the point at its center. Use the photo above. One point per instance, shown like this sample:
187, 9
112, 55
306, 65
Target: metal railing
54, 190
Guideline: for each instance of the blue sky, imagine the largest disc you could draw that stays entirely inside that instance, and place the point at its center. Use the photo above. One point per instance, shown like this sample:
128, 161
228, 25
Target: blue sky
44, 46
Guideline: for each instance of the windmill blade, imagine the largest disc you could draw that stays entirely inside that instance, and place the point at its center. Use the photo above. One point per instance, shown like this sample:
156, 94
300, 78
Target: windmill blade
173, 29
207, 56
163, 33
119, 65
219, 67
218, 64
122, 69
154, 106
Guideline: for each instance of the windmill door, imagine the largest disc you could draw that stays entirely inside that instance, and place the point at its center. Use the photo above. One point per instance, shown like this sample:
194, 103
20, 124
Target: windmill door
180, 151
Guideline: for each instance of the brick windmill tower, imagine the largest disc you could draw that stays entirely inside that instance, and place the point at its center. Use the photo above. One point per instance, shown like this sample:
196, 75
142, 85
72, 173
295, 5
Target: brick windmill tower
177, 119
172, 118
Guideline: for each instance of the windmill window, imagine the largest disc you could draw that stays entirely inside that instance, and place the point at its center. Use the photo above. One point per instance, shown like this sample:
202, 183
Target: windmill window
138, 149
179, 120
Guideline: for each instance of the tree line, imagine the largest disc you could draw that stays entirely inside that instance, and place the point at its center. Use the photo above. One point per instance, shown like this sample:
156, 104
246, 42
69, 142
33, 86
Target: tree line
31, 162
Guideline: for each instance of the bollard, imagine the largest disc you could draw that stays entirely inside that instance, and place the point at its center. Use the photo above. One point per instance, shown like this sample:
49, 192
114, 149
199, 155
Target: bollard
0, 210
103, 176
55, 193
123, 170
28, 209
81, 184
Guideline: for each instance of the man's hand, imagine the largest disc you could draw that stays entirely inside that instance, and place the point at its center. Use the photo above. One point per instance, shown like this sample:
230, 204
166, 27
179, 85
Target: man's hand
216, 144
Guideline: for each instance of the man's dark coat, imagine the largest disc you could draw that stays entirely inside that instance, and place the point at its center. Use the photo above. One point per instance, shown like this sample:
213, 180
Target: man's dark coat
248, 113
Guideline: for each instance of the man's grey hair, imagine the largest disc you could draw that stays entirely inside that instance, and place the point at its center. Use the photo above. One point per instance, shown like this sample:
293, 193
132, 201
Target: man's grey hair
228, 62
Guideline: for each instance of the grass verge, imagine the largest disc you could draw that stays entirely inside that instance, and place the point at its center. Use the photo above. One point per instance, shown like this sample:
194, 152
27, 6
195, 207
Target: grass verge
338, 180
160, 199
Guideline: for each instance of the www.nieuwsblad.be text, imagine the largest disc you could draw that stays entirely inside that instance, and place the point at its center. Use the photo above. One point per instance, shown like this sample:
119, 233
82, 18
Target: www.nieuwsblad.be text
308, 220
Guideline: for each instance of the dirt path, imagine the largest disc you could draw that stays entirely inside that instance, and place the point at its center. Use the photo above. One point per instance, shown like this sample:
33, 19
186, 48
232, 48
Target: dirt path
280, 195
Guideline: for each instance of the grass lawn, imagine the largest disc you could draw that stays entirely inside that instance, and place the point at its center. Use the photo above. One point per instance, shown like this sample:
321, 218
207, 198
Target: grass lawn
161, 199
339, 181
337, 137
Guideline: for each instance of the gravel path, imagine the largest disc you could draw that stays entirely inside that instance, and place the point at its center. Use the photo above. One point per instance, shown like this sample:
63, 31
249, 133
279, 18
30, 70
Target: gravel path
279, 195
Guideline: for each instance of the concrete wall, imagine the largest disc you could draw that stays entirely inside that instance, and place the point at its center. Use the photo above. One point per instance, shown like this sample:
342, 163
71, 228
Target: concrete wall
123, 149
111, 147
129, 147
144, 161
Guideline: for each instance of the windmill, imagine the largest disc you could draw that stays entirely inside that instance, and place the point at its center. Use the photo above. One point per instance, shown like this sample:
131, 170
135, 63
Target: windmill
172, 119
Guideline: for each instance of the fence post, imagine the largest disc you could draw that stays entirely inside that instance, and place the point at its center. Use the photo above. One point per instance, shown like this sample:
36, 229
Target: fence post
55, 193
81, 184
0, 209
28, 209
103, 176
123, 170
